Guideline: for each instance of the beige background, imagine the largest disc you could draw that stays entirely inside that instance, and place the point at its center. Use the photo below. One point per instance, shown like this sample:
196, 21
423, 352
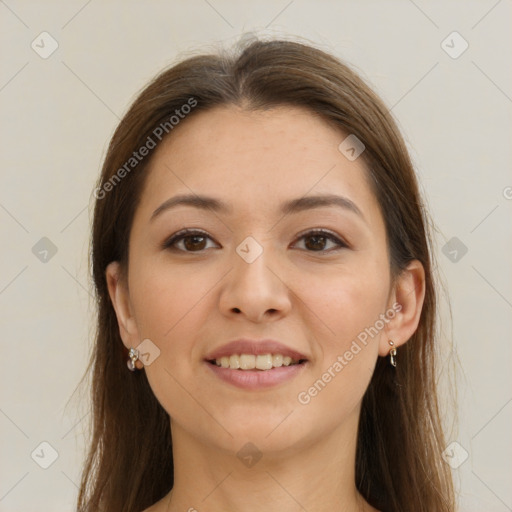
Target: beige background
59, 112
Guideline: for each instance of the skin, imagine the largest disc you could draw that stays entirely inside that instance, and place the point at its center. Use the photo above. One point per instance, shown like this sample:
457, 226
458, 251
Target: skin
314, 301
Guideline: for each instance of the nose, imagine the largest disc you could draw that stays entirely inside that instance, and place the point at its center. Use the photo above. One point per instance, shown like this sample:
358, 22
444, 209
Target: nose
255, 290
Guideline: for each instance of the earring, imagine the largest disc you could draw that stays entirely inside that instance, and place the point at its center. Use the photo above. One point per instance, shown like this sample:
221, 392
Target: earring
133, 355
392, 353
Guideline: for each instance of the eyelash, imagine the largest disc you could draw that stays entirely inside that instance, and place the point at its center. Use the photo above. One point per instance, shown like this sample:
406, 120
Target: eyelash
186, 233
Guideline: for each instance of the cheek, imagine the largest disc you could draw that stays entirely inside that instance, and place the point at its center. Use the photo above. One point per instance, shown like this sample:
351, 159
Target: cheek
171, 305
346, 360
348, 306
345, 301
166, 299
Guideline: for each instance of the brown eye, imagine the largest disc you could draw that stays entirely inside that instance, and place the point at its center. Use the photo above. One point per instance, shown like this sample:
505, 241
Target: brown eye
194, 242
317, 241
188, 241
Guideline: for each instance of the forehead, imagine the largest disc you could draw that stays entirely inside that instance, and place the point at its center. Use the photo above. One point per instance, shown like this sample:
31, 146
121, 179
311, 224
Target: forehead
254, 159
281, 137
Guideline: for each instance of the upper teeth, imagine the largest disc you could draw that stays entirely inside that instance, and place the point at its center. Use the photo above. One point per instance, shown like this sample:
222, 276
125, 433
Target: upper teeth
250, 361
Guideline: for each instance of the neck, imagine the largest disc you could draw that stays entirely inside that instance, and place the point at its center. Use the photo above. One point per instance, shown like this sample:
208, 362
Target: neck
315, 476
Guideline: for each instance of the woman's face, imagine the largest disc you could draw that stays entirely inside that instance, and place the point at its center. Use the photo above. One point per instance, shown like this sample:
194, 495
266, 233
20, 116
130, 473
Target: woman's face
254, 267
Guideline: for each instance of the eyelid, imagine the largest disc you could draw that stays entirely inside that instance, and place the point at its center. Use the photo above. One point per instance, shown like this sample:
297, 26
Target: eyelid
181, 234
331, 235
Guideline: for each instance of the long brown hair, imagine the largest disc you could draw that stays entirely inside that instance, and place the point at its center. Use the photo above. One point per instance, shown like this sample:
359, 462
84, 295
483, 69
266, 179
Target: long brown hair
400, 439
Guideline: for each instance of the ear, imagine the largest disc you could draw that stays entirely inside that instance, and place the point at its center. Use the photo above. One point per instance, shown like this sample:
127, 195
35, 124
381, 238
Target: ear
407, 295
118, 291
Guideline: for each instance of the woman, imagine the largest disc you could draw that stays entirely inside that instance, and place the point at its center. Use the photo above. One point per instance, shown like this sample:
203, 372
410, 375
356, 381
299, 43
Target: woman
261, 257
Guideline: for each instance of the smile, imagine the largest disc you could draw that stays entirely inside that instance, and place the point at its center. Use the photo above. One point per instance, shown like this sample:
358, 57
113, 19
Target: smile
256, 372
255, 362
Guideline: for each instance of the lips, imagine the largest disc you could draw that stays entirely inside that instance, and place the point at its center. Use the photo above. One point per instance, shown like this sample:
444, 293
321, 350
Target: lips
253, 365
254, 347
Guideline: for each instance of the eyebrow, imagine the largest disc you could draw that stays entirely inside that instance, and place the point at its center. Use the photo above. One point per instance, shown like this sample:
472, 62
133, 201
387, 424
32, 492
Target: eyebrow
292, 206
